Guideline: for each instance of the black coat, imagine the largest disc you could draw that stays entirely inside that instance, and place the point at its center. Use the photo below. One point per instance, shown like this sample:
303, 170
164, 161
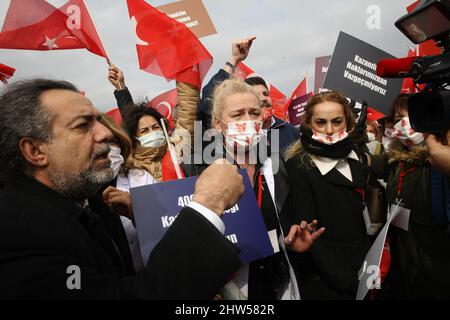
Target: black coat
420, 257
329, 270
42, 233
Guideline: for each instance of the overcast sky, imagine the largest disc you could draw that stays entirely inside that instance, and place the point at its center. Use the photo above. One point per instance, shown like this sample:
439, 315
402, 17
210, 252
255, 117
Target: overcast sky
290, 34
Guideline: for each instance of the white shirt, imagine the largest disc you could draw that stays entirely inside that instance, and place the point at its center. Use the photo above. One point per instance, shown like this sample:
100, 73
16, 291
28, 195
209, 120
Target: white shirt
211, 216
325, 165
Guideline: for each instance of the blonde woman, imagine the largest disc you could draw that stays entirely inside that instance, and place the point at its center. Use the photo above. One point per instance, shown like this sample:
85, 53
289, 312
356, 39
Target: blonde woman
237, 116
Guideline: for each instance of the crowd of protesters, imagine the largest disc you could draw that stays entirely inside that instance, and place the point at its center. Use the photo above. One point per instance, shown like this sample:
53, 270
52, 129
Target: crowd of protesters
68, 169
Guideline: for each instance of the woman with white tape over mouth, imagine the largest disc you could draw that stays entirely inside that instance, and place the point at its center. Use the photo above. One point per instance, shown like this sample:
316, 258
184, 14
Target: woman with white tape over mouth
327, 181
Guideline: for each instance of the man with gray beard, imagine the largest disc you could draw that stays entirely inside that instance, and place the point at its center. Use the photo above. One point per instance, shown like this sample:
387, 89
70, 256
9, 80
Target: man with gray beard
59, 241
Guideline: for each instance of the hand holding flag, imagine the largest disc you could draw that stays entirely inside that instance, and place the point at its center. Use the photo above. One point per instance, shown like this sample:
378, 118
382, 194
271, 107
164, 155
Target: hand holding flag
115, 76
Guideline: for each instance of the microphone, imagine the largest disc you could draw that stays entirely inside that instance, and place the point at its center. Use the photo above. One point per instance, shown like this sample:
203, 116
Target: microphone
395, 68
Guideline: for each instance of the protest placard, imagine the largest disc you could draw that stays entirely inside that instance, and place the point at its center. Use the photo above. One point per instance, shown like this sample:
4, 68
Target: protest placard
193, 14
156, 207
353, 71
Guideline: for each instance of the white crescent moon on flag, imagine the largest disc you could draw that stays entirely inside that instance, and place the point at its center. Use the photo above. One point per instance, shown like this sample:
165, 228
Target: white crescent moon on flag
139, 41
166, 105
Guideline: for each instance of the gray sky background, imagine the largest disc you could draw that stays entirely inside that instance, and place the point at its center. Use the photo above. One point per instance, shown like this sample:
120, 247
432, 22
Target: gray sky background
290, 34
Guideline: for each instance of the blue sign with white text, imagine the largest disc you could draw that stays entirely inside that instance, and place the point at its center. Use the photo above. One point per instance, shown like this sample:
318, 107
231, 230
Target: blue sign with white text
156, 206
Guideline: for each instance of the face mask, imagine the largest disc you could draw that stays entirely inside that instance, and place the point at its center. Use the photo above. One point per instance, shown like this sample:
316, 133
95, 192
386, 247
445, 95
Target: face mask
267, 115
337, 150
245, 134
371, 136
116, 159
153, 139
326, 139
403, 132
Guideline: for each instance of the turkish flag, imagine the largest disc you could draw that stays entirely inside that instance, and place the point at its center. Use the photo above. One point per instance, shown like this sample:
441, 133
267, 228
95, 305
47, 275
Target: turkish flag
165, 103
278, 102
167, 47
300, 91
373, 115
278, 98
37, 25
6, 72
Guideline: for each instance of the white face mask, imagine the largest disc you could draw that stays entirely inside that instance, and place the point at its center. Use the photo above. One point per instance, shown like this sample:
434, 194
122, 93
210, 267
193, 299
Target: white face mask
153, 139
326, 139
116, 159
403, 132
371, 136
245, 134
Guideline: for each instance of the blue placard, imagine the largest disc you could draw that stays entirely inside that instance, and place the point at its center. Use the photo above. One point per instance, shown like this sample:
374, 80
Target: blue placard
156, 206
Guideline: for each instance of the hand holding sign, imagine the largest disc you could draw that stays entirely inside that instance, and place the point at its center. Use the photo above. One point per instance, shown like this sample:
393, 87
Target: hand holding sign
219, 187
119, 201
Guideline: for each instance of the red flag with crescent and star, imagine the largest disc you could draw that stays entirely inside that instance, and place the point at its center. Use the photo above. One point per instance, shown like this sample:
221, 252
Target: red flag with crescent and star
37, 25
166, 47
165, 103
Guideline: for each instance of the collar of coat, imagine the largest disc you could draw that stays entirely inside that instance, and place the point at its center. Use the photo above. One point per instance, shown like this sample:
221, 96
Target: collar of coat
416, 154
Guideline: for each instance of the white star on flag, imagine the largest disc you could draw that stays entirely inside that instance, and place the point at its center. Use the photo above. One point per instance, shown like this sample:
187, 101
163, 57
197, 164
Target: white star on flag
50, 43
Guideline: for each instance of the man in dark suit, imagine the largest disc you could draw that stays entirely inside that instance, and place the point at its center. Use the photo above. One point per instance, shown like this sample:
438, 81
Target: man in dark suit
57, 241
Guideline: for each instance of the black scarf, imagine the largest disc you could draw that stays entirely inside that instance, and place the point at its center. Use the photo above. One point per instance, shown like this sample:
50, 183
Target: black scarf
338, 150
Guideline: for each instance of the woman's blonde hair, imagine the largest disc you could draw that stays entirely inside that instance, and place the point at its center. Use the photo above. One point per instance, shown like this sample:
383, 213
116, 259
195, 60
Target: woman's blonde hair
223, 91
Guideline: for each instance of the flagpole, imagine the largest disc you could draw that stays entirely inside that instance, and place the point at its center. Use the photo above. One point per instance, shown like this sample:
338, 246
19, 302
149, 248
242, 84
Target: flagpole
110, 64
172, 152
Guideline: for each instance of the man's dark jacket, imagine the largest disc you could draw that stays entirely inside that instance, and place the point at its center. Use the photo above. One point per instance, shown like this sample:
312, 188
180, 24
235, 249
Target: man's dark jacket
43, 233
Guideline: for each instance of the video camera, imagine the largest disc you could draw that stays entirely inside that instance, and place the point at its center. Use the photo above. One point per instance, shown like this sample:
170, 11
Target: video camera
429, 110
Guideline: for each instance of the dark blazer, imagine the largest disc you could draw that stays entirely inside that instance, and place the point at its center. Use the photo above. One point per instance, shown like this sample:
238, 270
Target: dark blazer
288, 134
329, 270
42, 233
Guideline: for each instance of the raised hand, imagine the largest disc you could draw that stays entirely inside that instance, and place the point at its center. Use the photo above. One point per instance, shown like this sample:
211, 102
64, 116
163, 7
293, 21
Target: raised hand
301, 237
